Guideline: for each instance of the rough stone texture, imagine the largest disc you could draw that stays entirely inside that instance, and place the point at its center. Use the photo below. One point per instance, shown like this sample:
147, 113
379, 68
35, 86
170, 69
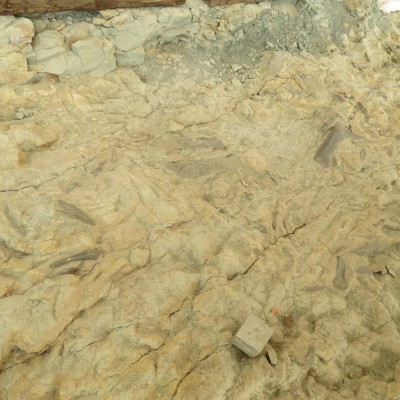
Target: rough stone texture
20, 32
174, 17
131, 57
93, 55
75, 32
15, 42
48, 40
122, 38
130, 31
134, 34
143, 220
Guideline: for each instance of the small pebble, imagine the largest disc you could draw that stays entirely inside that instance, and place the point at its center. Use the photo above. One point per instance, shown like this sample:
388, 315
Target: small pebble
60, 27
272, 357
269, 46
236, 67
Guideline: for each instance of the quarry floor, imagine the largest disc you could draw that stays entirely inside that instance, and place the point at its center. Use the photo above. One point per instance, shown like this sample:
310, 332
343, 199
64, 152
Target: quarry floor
145, 214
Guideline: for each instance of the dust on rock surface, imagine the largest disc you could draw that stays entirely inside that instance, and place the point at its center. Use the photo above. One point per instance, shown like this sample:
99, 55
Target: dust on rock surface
292, 29
145, 214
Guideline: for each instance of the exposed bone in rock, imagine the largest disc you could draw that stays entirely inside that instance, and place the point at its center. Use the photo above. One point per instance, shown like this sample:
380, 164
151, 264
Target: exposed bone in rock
326, 154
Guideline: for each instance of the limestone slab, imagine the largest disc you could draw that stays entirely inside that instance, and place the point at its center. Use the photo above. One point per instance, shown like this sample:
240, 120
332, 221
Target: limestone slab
48, 40
109, 61
134, 34
131, 57
75, 32
90, 51
174, 17
45, 54
55, 65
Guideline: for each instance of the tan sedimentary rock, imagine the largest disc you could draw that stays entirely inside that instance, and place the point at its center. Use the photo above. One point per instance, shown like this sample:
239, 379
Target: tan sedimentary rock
142, 222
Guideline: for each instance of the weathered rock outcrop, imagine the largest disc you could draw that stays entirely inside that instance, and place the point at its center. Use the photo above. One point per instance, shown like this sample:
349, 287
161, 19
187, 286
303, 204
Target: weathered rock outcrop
15, 38
115, 38
142, 221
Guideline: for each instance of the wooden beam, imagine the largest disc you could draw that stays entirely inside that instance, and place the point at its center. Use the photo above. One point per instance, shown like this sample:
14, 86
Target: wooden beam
39, 6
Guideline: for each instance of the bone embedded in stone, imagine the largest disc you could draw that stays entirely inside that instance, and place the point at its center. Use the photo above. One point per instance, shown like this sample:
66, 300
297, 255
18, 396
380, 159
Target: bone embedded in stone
271, 356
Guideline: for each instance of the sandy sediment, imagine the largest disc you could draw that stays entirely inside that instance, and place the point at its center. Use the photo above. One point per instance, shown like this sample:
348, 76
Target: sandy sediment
147, 213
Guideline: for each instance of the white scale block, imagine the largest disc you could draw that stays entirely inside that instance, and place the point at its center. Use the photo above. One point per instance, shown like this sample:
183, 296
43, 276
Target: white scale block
252, 336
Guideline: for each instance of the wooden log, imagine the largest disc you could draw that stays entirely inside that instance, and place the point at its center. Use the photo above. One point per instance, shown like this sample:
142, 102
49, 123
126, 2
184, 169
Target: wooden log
39, 6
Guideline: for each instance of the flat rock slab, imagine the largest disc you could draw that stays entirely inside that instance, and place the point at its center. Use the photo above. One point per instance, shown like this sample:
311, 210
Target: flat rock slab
37, 6
200, 168
252, 336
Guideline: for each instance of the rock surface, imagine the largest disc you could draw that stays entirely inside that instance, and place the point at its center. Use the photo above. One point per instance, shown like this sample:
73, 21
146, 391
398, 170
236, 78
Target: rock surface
15, 41
145, 214
131, 32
